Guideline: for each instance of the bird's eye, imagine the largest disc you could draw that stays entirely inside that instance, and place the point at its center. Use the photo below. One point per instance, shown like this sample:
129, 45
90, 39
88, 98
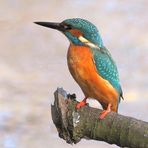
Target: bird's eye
66, 26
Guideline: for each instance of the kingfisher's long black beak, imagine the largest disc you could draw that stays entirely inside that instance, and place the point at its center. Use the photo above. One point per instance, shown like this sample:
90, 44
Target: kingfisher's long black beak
57, 26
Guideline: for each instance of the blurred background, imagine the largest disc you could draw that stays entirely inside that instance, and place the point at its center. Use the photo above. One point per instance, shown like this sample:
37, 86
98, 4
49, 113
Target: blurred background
33, 64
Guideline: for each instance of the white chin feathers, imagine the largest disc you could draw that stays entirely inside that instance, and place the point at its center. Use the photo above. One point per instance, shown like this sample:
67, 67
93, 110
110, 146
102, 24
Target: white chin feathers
87, 42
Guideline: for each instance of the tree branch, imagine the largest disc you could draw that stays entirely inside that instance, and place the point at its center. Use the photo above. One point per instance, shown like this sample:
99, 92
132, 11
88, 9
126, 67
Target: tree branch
73, 125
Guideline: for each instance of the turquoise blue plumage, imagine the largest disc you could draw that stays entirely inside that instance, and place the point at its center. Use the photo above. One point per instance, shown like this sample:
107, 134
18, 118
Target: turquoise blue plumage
90, 31
107, 68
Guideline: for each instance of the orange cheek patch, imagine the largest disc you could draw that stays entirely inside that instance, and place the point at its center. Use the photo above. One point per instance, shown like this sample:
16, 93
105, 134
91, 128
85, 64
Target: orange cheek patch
75, 32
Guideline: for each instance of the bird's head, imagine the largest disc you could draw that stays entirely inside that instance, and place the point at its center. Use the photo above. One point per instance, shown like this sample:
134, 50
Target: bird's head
78, 31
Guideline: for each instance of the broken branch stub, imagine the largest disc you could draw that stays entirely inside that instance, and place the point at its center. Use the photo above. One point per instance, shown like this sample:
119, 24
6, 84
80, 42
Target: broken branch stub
73, 124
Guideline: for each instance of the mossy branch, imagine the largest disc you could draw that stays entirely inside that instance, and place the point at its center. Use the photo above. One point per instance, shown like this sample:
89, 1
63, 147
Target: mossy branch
73, 125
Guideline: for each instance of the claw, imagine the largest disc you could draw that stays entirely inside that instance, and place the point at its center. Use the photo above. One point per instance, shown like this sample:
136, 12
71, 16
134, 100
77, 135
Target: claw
81, 104
104, 113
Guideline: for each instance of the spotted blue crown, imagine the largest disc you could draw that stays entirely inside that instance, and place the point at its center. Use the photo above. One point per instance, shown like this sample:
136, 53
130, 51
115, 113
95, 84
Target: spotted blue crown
89, 30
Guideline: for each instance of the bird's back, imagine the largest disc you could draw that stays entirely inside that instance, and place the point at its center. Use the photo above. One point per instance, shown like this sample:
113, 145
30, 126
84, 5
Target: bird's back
107, 68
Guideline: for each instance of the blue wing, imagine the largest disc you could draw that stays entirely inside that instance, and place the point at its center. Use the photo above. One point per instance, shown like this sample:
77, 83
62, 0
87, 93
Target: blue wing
107, 68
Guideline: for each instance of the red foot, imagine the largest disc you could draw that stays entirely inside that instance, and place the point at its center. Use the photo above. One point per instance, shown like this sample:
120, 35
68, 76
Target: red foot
81, 104
105, 112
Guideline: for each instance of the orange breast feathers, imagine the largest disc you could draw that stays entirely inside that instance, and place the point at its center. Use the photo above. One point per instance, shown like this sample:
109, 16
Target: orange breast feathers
83, 70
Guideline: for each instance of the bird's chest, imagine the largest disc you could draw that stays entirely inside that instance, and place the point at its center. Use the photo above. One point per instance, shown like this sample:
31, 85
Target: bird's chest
80, 62
83, 69
78, 54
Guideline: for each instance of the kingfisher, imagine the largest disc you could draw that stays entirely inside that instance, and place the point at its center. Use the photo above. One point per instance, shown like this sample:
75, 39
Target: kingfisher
90, 63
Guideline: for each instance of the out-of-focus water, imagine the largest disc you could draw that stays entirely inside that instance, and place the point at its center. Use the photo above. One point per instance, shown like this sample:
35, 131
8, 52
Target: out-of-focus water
33, 64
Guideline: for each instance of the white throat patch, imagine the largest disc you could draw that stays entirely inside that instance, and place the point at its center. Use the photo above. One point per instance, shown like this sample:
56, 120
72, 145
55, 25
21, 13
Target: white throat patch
87, 42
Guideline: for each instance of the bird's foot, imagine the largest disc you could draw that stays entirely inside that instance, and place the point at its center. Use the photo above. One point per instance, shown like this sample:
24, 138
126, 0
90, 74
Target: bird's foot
105, 112
81, 104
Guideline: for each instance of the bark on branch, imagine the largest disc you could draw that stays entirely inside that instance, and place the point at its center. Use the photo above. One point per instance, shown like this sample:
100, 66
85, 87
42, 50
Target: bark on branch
73, 125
